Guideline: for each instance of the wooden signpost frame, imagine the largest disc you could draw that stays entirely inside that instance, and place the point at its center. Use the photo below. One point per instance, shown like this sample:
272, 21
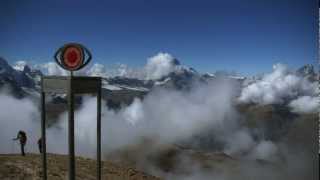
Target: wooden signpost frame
70, 85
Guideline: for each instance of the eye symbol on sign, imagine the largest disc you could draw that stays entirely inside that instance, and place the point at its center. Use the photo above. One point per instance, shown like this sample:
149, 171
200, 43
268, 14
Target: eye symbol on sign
72, 56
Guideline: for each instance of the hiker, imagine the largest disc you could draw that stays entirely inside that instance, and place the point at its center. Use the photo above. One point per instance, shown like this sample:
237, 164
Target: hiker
22, 137
40, 145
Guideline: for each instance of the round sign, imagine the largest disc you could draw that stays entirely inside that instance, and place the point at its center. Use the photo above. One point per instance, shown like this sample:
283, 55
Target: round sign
72, 56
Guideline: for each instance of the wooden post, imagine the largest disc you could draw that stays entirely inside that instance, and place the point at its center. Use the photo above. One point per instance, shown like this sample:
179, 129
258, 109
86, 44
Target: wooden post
71, 129
99, 134
43, 136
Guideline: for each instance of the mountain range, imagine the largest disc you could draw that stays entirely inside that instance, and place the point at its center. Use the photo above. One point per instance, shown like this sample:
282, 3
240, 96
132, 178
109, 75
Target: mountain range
273, 127
23, 80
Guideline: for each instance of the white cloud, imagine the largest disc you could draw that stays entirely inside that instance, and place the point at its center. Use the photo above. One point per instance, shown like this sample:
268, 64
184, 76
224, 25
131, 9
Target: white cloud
239, 142
305, 104
97, 70
265, 150
134, 112
165, 115
52, 68
277, 86
159, 65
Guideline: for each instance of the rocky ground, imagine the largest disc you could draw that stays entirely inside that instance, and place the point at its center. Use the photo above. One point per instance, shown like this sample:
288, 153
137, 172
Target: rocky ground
16, 167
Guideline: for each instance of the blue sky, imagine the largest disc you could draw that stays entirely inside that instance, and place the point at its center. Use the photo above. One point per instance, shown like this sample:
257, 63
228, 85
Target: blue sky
247, 36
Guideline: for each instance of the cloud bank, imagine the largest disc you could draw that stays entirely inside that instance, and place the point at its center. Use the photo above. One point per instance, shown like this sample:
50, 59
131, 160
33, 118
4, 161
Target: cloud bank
278, 87
305, 104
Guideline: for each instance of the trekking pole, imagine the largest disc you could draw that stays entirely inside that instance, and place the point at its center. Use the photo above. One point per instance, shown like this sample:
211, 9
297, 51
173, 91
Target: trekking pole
12, 147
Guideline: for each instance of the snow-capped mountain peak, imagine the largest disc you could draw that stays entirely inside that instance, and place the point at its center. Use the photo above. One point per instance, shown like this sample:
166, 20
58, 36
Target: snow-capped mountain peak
20, 65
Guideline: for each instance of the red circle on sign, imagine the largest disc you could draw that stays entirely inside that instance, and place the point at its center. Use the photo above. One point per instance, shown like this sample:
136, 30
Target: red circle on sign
72, 57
